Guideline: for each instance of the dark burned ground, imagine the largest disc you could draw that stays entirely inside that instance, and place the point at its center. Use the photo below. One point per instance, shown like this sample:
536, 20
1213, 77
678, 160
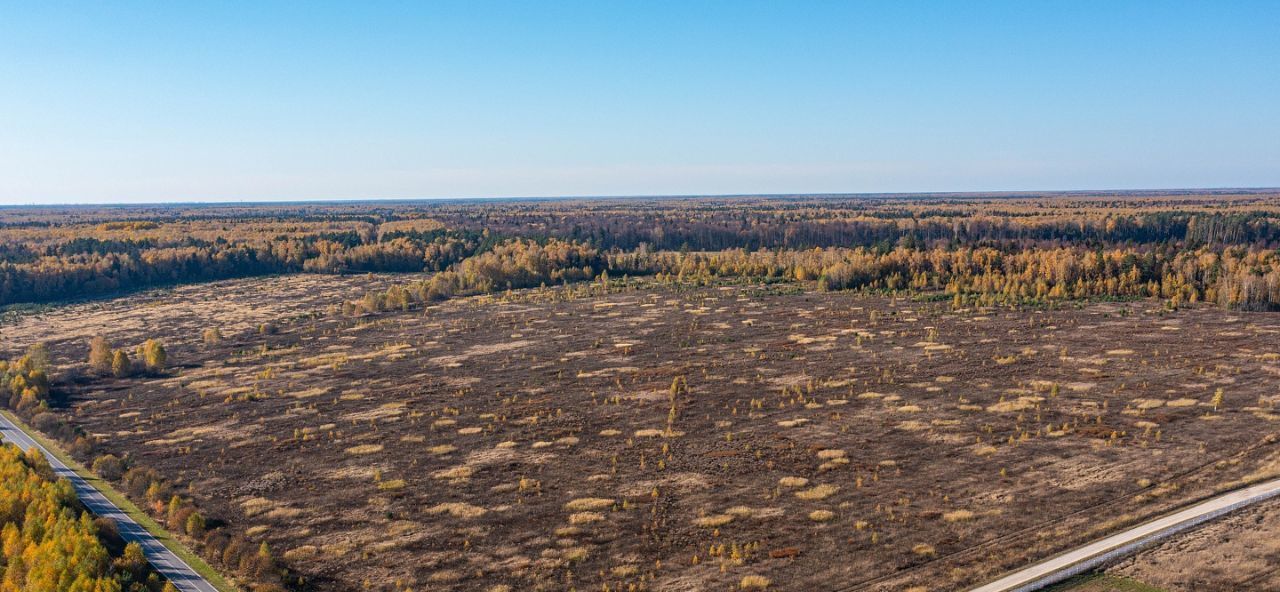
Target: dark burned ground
813, 440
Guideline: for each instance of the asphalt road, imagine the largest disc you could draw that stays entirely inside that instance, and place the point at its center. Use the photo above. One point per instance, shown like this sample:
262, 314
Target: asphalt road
1095, 554
172, 567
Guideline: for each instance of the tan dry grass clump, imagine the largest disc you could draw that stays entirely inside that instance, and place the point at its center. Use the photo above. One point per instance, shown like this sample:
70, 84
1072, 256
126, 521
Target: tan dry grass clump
714, 520
584, 504
300, 553
461, 472
793, 481
958, 516
1019, 404
585, 518
445, 576
256, 505
458, 510
365, 449
821, 515
284, 513
623, 571
391, 485
818, 492
754, 583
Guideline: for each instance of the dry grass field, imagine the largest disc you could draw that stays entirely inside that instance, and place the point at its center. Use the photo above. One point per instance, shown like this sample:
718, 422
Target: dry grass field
661, 437
181, 314
1239, 552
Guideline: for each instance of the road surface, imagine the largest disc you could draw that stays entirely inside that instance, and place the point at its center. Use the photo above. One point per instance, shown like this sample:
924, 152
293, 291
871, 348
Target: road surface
1091, 556
172, 567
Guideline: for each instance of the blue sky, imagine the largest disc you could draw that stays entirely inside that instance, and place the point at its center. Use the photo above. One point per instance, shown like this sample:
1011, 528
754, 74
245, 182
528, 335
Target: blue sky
178, 101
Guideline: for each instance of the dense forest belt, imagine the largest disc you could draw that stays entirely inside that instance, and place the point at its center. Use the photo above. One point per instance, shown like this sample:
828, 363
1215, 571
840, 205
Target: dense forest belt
96, 267
1233, 278
1179, 246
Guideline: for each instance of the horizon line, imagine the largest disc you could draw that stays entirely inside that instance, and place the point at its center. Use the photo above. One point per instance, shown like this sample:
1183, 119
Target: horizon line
999, 193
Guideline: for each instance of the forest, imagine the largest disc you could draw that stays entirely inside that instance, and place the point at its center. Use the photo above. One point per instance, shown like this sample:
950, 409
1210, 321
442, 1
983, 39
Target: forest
51, 543
1007, 249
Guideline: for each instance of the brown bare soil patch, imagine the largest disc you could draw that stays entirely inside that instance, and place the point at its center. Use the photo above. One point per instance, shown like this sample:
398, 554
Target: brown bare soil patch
512, 441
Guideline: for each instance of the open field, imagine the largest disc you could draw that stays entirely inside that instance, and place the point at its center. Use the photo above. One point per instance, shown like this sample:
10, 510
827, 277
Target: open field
677, 438
234, 306
640, 297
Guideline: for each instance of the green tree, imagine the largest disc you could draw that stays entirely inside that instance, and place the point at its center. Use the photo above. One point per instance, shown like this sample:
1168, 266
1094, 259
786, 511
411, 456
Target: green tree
132, 561
195, 525
121, 365
153, 355
175, 504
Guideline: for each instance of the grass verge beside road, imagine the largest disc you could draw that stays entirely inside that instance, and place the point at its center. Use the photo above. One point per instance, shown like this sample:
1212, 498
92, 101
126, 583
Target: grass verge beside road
1101, 582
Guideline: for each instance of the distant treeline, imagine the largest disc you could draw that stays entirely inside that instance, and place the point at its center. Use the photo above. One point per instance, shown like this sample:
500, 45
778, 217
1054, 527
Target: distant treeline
1182, 247
511, 265
87, 266
1233, 277
720, 230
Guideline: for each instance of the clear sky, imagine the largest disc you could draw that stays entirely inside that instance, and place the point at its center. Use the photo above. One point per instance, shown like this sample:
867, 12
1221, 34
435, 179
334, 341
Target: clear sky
177, 101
